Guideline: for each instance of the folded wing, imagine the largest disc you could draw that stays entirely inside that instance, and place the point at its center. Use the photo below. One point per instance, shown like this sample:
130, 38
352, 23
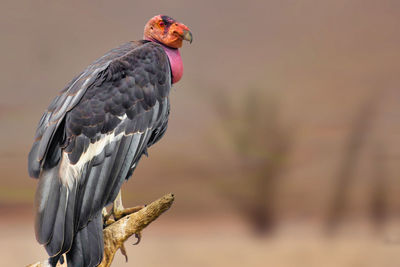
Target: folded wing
90, 140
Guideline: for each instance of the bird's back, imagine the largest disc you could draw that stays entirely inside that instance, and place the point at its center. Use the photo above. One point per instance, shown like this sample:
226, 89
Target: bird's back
90, 140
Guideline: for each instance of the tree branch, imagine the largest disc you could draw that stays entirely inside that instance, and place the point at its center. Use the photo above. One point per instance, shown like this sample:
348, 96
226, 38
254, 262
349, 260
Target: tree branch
118, 232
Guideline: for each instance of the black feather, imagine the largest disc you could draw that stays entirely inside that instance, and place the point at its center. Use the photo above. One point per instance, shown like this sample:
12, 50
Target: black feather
33, 162
88, 192
47, 200
57, 239
87, 249
123, 94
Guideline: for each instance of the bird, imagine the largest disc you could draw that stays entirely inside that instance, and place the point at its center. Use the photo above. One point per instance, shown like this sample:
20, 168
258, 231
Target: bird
93, 134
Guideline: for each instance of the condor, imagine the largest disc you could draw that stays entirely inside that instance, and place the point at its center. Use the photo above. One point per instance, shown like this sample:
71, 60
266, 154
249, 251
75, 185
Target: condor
93, 134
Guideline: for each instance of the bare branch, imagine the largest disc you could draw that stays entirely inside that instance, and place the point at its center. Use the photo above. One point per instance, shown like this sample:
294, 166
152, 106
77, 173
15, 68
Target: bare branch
118, 232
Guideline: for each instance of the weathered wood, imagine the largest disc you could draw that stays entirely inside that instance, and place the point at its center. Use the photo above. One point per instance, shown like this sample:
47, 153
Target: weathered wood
118, 232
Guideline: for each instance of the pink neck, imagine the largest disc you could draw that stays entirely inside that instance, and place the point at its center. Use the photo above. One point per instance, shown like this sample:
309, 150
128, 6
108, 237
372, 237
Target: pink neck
175, 61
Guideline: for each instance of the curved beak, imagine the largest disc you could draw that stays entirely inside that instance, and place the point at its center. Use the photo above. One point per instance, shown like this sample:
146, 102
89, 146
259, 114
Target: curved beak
187, 35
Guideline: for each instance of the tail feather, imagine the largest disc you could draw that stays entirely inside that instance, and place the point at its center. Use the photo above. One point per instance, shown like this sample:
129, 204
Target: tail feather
95, 233
87, 249
54, 260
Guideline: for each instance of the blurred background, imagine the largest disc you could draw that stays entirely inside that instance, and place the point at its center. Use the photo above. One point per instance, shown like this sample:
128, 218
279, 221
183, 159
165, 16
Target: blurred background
284, 135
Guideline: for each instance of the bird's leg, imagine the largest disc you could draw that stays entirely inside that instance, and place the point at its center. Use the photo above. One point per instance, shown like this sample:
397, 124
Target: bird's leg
118, 209
107, 220
105, 214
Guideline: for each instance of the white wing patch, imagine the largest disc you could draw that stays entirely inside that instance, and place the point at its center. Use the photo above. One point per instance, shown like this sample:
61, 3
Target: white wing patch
69, 173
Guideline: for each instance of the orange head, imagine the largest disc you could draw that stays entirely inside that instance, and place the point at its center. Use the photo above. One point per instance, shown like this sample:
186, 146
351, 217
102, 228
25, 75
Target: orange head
167, 31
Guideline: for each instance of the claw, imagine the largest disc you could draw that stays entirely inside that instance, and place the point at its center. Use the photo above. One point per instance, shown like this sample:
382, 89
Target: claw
139, 237
123, 251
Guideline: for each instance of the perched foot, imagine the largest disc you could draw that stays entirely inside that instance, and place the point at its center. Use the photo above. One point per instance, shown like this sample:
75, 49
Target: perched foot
119, 211
123, 249
107, 220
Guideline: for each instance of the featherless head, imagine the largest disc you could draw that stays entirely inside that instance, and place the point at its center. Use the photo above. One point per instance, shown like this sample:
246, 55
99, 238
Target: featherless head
167, 31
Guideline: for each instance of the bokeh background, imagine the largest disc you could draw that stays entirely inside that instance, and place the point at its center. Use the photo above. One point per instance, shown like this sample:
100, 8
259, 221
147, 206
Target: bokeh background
283, 147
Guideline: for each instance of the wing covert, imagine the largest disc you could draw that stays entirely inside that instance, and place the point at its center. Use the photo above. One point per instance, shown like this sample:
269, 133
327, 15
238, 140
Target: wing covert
100, 139
69, 97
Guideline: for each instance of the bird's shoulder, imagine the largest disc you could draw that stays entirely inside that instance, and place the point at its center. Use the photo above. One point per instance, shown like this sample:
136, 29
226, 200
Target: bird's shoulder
129, 96
124, 81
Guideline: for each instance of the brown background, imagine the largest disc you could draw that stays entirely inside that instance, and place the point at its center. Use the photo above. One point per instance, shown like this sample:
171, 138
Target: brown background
321, 148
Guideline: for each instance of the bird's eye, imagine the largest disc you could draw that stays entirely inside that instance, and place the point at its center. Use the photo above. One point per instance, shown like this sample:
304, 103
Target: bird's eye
162, 24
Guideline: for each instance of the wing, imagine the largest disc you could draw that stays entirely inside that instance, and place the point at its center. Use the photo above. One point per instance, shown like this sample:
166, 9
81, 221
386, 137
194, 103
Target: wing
122, 112
54, 116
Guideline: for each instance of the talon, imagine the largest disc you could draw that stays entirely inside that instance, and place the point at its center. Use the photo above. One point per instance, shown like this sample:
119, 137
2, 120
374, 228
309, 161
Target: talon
139, 237
123, 251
